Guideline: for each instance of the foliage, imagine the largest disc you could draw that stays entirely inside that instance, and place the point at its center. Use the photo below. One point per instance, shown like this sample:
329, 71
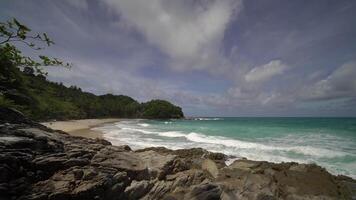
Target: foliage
161, 109
41, 99
23, 86
12, 32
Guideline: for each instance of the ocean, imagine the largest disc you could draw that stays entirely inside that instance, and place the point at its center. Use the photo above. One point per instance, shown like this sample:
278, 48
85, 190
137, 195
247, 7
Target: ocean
328, 142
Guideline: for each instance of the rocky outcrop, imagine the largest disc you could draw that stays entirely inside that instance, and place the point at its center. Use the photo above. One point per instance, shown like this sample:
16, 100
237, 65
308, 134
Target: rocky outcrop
40, 163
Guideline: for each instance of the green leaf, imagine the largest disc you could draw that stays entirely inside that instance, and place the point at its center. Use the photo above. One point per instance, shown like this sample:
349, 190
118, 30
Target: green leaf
16, 22
21, 26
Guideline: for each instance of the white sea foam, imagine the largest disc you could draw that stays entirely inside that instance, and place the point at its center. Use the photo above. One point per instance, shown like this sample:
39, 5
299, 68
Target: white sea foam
305, 150
316, 152
139, 130
171, 134
207, 119
144, 125
297, 148
238, 144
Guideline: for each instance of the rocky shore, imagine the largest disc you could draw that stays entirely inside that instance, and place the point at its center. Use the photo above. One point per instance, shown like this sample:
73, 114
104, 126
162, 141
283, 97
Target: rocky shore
39, 163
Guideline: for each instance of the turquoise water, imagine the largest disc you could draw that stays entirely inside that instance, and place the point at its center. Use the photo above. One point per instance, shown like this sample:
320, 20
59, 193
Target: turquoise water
329, 142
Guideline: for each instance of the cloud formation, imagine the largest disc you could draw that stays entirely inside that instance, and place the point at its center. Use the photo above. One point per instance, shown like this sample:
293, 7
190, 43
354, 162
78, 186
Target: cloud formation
189, 32
265, 72
341, 83
212, 57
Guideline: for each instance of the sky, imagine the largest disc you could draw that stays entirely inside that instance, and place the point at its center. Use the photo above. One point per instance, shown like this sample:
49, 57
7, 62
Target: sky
211, 57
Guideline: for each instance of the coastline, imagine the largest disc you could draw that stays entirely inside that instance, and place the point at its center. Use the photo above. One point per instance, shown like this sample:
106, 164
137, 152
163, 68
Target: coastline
87, 128
47, 164
82, 127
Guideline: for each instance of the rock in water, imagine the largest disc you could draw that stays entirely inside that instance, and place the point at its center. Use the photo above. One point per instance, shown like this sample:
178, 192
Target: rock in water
39, 163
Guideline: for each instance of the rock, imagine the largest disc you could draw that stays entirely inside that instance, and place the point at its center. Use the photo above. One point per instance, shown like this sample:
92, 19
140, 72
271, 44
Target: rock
10, 115
39, 163
244, 164
189, 158
124, 161
158, 165
206, 191
137, 189
211, 167
77, 183
76, 162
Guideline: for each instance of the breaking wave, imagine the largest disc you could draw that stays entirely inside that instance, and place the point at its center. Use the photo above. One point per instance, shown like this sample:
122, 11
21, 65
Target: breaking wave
282, 149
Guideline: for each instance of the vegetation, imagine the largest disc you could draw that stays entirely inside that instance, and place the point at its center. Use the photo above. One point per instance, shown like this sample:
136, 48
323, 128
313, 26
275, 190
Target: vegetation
161, 109
43, 100
23, 86
13, 31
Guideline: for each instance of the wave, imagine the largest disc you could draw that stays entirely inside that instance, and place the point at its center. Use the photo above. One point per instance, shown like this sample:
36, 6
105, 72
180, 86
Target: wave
163, 134
311, 148
172, 134
138, 130
207, 119
238, 144
144, 125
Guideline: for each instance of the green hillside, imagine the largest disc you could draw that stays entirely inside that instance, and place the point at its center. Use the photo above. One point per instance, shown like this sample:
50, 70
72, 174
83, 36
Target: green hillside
41, 99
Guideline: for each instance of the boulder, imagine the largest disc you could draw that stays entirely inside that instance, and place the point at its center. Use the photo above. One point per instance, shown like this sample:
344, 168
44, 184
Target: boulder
113, 157
158, 165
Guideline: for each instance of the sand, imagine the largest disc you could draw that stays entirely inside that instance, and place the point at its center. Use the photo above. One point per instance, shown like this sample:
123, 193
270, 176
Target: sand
83, 127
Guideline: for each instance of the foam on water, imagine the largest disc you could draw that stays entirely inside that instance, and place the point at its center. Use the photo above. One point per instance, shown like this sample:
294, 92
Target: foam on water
325, 150
172, 134
207, 119
144, 125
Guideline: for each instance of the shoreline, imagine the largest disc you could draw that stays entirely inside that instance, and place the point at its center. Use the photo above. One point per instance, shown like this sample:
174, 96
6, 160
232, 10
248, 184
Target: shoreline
87, 128
79, 168
50, 164
82, 127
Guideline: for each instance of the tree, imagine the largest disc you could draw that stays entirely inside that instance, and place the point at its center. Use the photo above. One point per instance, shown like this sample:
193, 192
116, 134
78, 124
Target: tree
12, 31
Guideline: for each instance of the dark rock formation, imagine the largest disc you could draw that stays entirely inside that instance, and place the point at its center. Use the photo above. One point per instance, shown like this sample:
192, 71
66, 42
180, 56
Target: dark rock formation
39, 163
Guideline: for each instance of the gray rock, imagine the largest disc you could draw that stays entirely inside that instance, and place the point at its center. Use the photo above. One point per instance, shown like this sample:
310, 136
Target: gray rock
206, 191
158, 165
137, 189
211, 167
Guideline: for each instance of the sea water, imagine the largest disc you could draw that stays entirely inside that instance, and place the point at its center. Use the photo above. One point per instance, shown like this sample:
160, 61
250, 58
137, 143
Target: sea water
328, 142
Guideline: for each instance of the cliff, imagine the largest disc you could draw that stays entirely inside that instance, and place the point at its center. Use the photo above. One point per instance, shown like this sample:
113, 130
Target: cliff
40, 163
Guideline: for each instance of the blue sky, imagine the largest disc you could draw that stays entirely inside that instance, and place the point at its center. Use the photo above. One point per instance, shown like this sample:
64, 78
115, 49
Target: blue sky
213, 58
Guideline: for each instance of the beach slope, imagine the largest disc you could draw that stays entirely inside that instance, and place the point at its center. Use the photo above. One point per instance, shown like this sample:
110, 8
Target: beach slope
81, 127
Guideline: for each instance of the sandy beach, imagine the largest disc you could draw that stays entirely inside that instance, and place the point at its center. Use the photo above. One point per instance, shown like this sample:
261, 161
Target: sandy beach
81, 127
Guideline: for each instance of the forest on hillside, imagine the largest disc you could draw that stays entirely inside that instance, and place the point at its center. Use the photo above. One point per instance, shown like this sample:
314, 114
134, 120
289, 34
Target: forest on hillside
41, 99
24, 86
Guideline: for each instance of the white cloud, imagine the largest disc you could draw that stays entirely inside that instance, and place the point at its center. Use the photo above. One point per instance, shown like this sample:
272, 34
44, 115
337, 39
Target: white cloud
265, 72
81, 4
339, 84
189, 32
